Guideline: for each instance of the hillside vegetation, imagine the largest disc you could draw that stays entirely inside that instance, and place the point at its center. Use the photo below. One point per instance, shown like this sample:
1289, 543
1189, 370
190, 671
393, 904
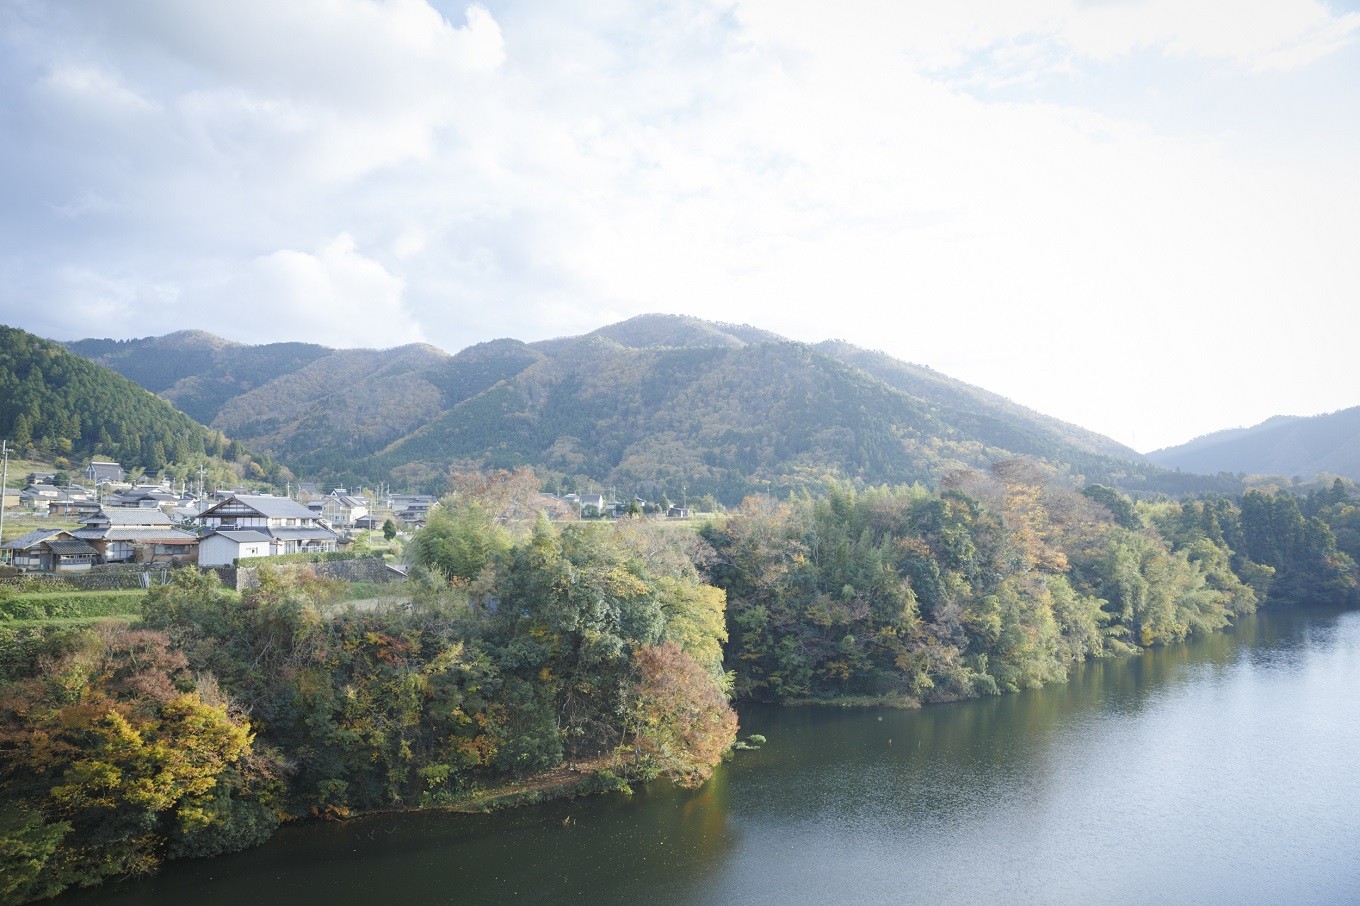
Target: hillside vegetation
654, 404
528, 647
56, 404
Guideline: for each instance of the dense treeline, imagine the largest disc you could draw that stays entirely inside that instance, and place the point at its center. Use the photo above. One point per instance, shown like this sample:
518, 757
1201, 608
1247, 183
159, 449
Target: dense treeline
1001, 581
56, 405
54, 402
217, 718
528, 645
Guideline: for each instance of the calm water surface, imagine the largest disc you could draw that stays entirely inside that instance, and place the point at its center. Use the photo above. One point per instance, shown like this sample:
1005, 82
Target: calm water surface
1223, 771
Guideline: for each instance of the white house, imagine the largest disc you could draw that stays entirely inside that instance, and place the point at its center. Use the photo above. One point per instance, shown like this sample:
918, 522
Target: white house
225, 547
342, 508
287, 526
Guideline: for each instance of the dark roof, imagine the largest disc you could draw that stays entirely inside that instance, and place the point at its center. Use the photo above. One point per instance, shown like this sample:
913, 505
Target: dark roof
265, 505
32, 539
130, 515
101, 470
241, 536
144, 534
71, 548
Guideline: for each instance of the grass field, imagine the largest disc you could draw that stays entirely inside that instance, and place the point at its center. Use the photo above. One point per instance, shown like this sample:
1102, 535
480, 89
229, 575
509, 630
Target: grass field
47, 606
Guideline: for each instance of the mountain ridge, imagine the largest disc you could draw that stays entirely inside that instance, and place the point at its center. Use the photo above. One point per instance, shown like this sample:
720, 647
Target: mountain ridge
654, 401
1288, 445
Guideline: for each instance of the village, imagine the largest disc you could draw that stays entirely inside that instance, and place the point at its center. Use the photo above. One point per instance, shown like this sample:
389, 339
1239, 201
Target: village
119, 522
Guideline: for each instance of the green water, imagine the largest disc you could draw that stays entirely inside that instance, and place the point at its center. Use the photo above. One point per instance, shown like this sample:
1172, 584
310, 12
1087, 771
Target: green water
1222, 771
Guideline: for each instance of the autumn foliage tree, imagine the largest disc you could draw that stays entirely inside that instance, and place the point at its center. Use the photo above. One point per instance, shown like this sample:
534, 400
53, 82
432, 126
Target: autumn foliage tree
679, 722
112, 756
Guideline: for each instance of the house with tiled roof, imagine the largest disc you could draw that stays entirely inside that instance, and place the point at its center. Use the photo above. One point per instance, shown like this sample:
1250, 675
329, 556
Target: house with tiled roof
342, 508
104, 472
48, 551
137, 535
243, 525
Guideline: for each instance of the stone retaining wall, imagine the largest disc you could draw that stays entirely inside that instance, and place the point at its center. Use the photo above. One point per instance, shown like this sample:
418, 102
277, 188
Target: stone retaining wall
363, 569
106, 578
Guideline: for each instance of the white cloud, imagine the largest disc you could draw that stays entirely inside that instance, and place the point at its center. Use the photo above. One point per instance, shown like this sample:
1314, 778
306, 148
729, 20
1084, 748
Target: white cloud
91, 91
820, 170
335, 297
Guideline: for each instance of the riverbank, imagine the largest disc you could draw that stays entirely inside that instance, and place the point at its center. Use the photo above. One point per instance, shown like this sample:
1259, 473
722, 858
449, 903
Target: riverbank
1054, 795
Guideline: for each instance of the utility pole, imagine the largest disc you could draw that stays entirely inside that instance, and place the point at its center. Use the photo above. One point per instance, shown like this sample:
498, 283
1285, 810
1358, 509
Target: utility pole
4, 484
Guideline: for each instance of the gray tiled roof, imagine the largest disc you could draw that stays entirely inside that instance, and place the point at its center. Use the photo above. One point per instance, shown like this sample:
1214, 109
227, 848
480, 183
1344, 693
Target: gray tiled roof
144, 534
71, 548
130, 515
32, 539
241, 536
272, 507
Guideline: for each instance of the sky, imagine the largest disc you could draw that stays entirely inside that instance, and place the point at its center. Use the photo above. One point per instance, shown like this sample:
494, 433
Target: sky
1140, 216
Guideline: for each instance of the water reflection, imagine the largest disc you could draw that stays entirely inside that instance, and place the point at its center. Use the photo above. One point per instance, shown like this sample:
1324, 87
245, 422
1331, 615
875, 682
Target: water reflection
1219, 771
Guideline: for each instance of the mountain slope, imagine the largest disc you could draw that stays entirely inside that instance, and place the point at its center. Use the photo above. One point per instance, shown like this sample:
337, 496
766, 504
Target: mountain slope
1283, 445
655, 402
734, 417
59, 404
197, 371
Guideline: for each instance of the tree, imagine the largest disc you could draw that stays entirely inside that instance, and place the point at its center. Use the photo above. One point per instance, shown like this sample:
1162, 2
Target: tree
389, 529
679, 721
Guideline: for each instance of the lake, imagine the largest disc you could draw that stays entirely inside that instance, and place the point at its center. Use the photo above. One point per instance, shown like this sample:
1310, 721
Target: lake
1220, 771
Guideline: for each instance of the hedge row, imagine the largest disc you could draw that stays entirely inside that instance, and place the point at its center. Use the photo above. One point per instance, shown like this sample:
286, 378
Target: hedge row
317, 557
64, 605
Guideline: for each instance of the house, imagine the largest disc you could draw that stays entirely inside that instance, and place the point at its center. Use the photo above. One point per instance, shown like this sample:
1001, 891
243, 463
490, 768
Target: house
137, 535
37, 495
411, 510
55, 501
104, 472
49, 551
679, 512
147, 496
74, 502
245, 522
222, 548
341, 507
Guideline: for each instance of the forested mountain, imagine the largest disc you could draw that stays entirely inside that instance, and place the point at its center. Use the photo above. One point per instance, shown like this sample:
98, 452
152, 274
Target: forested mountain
656, 403
55, 403
661, 403
1284, 445
197, 371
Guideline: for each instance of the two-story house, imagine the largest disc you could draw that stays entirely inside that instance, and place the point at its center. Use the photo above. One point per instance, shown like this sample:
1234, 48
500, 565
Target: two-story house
136, 535
260, 525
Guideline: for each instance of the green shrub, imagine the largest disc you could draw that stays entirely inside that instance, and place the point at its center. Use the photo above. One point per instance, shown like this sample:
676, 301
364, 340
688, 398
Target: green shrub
317, 557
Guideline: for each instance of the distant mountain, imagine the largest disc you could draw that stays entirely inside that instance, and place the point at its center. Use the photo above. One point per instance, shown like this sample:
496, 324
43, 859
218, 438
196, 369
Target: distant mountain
197, 371
676, 404
54, 403
1284, 445
655, 402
